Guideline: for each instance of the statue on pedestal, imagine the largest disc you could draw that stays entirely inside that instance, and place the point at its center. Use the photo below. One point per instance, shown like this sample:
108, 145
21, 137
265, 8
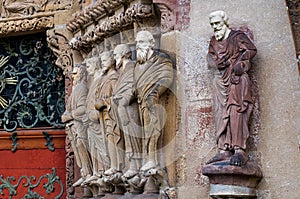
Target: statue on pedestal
231, 52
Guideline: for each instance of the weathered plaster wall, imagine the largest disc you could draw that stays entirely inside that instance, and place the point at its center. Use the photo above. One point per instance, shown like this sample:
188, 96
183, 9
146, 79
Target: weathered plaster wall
278, 81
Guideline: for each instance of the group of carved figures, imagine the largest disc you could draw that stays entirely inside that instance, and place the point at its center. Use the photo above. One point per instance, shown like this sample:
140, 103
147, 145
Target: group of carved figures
114, 117
115, 113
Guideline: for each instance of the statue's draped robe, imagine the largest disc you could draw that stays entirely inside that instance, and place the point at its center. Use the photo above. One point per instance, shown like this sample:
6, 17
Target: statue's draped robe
106, 118
99, 88
127, 113
76, 107
232, 94
151, 80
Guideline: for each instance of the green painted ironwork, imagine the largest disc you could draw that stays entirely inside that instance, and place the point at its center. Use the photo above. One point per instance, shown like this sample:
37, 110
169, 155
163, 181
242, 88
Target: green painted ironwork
49, 142
14, 139
31, 85
31, 183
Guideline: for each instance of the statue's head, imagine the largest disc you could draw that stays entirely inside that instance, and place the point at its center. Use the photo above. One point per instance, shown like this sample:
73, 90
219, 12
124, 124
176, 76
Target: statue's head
92, 65
219, 22
144, 45
79, 73
107, 61
121, 52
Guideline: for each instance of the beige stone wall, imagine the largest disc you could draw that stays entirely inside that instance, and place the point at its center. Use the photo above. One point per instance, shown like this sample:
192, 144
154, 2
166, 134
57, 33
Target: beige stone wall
278, 81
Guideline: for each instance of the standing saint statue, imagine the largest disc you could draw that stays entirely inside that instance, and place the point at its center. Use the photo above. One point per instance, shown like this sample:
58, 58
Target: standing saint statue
76, 119
126, 111
230, 51
153, 75
96, 134
105, 116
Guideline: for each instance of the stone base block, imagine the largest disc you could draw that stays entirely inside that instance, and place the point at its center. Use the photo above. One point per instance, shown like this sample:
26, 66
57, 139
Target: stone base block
228, 181
247, 175
218, 191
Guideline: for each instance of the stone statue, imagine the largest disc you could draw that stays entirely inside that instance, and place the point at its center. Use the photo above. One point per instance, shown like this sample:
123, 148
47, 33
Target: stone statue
153, 74
126, 109
105, 116
76, 119
230, 52
96, 134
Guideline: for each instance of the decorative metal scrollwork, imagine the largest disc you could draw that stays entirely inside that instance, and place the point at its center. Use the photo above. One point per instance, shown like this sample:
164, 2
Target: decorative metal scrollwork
32, 86
31, 183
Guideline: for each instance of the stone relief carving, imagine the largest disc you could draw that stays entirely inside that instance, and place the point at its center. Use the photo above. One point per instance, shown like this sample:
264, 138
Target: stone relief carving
14, 8
26, 25
58, 43
230, 54
112, 25
167, 14
21, 8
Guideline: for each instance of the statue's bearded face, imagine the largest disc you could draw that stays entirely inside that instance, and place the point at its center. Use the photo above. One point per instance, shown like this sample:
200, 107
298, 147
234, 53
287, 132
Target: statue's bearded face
219, 26
142, 49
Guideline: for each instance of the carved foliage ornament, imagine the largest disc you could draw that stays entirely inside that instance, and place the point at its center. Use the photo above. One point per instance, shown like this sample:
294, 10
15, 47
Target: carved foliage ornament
26, 25
111, 25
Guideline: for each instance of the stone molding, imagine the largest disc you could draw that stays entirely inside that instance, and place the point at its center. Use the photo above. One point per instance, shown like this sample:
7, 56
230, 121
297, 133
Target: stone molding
92, 13
113, 24
28, 24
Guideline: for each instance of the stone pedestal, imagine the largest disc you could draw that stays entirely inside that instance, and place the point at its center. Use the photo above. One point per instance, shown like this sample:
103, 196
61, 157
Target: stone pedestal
228, 181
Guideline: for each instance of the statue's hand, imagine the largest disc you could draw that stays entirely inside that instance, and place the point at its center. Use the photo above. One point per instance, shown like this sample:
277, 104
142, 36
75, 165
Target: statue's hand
238, 69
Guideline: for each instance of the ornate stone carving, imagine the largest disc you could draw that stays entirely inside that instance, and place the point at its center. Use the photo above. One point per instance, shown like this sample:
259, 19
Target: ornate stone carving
15, 8
21, 8
112, 25
26, 25
58, 43
92, 13
167, 14
230, 53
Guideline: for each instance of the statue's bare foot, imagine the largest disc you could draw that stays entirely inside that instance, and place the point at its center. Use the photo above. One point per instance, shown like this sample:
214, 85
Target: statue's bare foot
224, 155
78, 182
130, 173
149, 165
89, 180
239, 158
110, 171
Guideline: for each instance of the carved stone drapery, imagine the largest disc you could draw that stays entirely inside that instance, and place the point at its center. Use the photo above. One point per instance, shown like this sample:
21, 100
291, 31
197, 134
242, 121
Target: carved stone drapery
19, 25
112, 25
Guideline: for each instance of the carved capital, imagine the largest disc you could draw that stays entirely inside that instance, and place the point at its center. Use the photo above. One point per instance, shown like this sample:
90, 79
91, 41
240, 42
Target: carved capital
58, 43
168, 14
